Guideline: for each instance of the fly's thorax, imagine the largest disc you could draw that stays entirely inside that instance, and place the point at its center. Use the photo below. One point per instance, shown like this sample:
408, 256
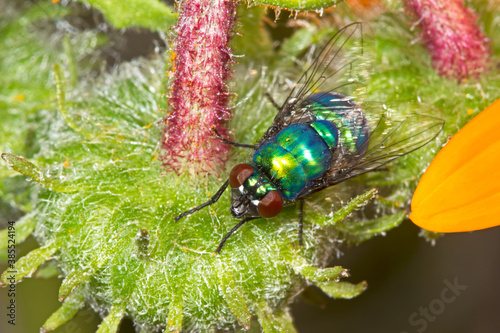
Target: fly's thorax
346, 115
252, 193
297, 155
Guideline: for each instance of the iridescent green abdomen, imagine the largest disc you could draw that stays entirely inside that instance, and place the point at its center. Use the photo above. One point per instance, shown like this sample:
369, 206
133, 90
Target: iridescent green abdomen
298, 154
349, 119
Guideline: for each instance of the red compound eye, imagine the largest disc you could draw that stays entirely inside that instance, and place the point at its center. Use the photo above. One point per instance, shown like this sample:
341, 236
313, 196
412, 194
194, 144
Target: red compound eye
270, 205
239, 174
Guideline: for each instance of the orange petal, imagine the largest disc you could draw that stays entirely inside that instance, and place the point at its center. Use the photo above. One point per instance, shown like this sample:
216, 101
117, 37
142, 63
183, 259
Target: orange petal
460, 191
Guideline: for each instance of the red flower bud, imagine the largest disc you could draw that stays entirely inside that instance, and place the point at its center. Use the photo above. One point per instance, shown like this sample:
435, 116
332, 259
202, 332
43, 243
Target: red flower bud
200, 66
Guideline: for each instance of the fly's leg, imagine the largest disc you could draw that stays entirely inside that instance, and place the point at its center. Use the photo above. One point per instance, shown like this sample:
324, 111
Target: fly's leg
273, 102
214, 199
229, 142
301, 221
236, 227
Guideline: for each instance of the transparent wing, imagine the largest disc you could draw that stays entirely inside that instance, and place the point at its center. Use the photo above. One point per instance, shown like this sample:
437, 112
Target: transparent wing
396, 129
331, 70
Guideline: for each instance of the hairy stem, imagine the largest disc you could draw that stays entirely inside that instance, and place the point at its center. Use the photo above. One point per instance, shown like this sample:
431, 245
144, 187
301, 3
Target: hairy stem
198, 96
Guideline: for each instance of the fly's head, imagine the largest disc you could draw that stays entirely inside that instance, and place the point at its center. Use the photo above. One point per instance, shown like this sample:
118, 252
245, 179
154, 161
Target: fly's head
251, 194
241, 204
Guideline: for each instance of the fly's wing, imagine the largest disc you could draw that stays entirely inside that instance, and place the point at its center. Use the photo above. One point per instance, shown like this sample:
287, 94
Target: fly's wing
329, 71
395, 128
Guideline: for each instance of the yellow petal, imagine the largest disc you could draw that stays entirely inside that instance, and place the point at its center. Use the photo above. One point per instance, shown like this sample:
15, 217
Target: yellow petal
460, 191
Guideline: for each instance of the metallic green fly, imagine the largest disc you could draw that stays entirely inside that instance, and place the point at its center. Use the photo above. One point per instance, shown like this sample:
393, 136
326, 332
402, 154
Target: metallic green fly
320, 137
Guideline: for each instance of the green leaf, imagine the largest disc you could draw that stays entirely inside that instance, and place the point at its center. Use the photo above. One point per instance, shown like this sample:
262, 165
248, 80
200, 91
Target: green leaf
68, 310
344, 290
316, 274
174, 319
28, 264
271, 322
285, 320
234, 297
112, 320
27, 168
48, 270
61, 99
72, 281
359, 231
151, 14
355, 203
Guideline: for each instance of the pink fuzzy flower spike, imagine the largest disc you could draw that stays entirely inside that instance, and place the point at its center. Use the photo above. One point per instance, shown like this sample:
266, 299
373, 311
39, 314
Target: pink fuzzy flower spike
198, 94
458, 47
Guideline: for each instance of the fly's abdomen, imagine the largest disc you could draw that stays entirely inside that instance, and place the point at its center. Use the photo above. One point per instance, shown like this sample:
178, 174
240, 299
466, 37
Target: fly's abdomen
348, 118
299, 153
